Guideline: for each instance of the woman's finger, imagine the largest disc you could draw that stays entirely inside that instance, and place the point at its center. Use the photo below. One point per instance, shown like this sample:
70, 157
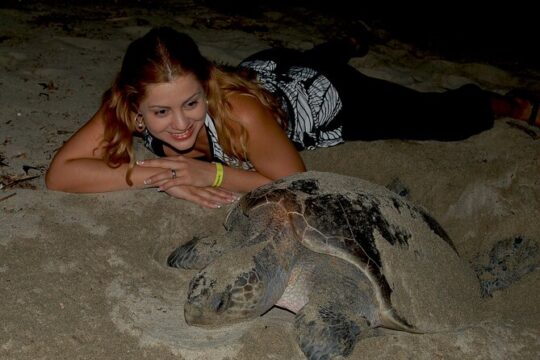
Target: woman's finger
217, 191
162, 177
207, 197
166, 184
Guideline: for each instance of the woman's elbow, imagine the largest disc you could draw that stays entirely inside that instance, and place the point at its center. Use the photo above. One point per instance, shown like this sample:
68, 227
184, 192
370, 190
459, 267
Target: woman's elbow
53, 180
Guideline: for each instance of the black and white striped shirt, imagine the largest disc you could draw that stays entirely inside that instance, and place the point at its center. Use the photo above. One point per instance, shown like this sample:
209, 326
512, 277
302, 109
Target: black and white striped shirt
309, 98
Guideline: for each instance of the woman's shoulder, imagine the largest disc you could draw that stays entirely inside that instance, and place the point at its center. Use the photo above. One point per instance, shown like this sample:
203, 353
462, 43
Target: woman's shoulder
248, 109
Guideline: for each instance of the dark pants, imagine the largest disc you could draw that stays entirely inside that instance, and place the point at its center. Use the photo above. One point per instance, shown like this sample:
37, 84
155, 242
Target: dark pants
378, 109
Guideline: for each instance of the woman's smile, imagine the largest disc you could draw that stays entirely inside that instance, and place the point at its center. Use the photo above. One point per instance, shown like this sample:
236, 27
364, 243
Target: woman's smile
182, 135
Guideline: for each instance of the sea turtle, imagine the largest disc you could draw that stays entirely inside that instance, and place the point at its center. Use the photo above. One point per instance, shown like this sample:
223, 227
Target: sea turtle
343, 254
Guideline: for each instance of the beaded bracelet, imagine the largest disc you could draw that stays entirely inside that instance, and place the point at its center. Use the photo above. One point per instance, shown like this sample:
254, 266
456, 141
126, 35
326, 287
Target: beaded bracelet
218, 180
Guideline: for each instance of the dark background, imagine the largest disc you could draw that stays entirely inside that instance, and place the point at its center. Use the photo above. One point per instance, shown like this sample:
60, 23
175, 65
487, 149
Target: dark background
505, 34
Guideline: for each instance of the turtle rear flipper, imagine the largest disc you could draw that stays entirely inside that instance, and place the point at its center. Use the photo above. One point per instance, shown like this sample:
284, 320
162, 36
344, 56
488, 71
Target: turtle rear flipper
506, 263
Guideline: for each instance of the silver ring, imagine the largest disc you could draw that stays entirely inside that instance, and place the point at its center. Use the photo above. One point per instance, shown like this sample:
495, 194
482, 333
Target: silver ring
173, 173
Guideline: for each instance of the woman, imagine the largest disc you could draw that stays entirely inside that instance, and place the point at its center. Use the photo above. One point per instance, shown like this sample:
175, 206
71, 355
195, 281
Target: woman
198, 117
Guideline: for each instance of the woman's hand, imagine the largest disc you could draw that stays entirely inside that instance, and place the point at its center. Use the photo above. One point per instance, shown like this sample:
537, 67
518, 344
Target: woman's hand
208, 197
179, 170
188, 179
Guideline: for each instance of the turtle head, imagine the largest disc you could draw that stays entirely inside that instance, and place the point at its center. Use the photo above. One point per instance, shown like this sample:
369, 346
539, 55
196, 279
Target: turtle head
234, 288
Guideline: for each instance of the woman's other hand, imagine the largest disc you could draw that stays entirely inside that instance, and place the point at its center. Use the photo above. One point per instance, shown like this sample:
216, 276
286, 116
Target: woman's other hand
208, 197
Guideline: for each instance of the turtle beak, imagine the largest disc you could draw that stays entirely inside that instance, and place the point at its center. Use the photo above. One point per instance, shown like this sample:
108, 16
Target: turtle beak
211, 313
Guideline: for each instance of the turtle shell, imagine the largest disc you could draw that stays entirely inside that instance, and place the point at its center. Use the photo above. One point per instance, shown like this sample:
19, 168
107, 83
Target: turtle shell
407, 256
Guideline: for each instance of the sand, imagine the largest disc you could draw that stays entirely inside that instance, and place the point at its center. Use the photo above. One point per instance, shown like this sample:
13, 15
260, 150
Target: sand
84, 276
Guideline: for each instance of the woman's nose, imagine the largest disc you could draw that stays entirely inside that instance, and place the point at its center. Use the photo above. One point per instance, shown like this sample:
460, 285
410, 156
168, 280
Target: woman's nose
180, 121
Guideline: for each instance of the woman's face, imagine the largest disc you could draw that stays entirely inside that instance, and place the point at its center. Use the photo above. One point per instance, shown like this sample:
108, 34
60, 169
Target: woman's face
174, 112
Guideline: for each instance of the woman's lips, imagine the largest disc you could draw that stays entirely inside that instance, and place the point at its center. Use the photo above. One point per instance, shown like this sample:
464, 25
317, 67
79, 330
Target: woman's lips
182, 135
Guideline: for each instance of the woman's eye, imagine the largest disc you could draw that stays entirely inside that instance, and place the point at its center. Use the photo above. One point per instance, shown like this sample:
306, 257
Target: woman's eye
192, 104
161, 112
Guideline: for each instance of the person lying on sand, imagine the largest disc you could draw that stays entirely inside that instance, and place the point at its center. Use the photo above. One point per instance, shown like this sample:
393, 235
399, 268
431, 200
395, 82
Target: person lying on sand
218, 132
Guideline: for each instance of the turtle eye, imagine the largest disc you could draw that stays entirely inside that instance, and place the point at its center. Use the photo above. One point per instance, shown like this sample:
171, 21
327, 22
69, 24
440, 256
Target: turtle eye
221, 303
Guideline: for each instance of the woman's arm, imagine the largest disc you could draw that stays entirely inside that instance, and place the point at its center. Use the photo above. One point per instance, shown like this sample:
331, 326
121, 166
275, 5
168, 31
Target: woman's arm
79, 167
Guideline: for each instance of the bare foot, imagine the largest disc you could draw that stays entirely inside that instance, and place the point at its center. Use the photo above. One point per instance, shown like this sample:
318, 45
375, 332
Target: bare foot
524, 106
527, 110
534, 118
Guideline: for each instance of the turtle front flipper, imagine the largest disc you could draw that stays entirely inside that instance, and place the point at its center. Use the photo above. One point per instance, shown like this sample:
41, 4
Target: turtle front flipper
200, 251
241, 231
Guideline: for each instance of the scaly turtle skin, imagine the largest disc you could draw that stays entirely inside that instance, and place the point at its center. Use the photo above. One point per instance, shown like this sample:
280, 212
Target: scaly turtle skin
341, 253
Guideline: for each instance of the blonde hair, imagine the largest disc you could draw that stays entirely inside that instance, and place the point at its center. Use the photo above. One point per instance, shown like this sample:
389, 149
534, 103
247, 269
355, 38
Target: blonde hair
221, 87
163, 55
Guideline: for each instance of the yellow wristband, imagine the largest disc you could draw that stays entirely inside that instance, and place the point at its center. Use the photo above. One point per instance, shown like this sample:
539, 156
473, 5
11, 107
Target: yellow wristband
219, 175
